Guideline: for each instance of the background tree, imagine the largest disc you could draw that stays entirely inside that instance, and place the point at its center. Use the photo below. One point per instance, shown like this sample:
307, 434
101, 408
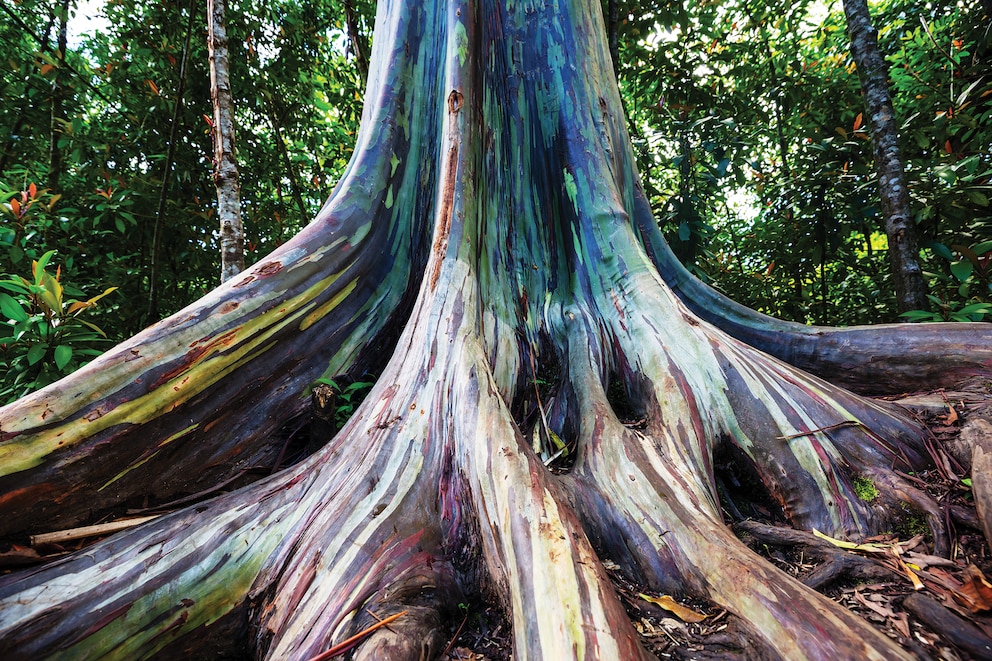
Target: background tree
232, 240
796, 232
893, 190
491, 234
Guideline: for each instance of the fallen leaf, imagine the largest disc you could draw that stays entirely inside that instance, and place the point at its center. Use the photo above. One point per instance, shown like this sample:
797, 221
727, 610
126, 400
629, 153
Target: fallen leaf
19, 556
901, 622
873, 605
684, 613
851, 546
977, 590
951, 417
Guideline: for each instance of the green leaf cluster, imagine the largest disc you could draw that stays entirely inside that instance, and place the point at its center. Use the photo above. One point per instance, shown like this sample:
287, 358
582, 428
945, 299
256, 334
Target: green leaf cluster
297, 93
42, 334
348, 398
754, 144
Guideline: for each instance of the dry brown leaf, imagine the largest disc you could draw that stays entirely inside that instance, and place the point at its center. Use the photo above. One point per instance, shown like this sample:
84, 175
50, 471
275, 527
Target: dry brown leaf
873, 605
952, 416
976, 590
19, 556
901, 622
682, 612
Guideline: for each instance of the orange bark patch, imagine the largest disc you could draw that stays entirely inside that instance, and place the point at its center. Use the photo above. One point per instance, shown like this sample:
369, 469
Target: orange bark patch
448, 193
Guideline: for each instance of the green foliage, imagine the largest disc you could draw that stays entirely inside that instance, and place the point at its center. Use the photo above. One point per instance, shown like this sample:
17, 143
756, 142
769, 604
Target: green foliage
963, 287
43, 336
348, 398
755, 150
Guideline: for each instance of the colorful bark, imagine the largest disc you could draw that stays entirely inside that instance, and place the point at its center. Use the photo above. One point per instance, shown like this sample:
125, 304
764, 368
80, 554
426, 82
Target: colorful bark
498, 126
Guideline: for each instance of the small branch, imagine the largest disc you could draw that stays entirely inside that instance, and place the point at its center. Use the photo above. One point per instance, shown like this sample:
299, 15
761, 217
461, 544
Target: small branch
926, 28
959, 632
357, 40
458, 632
88, 531
346, 645
811, 432
192, 497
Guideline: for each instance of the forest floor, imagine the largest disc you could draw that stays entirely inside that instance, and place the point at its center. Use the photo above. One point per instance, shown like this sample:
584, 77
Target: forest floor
935, 608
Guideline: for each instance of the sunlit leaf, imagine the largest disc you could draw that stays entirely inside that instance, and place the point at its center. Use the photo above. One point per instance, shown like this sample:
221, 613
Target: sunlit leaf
684, 613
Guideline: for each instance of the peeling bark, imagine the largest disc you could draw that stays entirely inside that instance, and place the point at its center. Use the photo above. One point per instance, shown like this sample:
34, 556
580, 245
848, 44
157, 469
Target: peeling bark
226, 177
490, 231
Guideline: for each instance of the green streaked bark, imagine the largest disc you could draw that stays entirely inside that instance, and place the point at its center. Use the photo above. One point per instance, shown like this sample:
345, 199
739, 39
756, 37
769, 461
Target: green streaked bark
497, 127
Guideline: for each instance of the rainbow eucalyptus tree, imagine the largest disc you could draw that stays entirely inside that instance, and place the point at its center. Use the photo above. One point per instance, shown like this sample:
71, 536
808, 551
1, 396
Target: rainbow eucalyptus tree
491, 251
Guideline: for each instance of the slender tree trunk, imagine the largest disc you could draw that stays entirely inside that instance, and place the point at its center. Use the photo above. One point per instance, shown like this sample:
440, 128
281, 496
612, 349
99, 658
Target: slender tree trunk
271, 112
170, 157
232, 240
613, 34
58, 101
358, 41
490, 227
907, 276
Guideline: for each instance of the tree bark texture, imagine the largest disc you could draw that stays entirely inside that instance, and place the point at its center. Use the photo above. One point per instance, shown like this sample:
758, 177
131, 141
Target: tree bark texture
232, 239
893, 191
489, 234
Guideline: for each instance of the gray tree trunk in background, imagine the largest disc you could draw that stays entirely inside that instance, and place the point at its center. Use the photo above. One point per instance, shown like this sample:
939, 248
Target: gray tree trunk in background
232, 254
907, 277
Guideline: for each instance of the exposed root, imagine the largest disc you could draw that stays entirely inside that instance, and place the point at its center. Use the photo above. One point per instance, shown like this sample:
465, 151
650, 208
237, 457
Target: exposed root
836, 563
540, 268
959, 632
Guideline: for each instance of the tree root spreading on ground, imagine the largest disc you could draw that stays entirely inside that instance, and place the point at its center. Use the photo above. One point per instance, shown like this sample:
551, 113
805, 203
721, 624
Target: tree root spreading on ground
490, 230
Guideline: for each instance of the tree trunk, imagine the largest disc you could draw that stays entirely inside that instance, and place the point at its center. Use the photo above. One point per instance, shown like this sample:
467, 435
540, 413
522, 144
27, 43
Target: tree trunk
490, 232
58, 120
358, 41
163, 194
232, 239
893, 190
